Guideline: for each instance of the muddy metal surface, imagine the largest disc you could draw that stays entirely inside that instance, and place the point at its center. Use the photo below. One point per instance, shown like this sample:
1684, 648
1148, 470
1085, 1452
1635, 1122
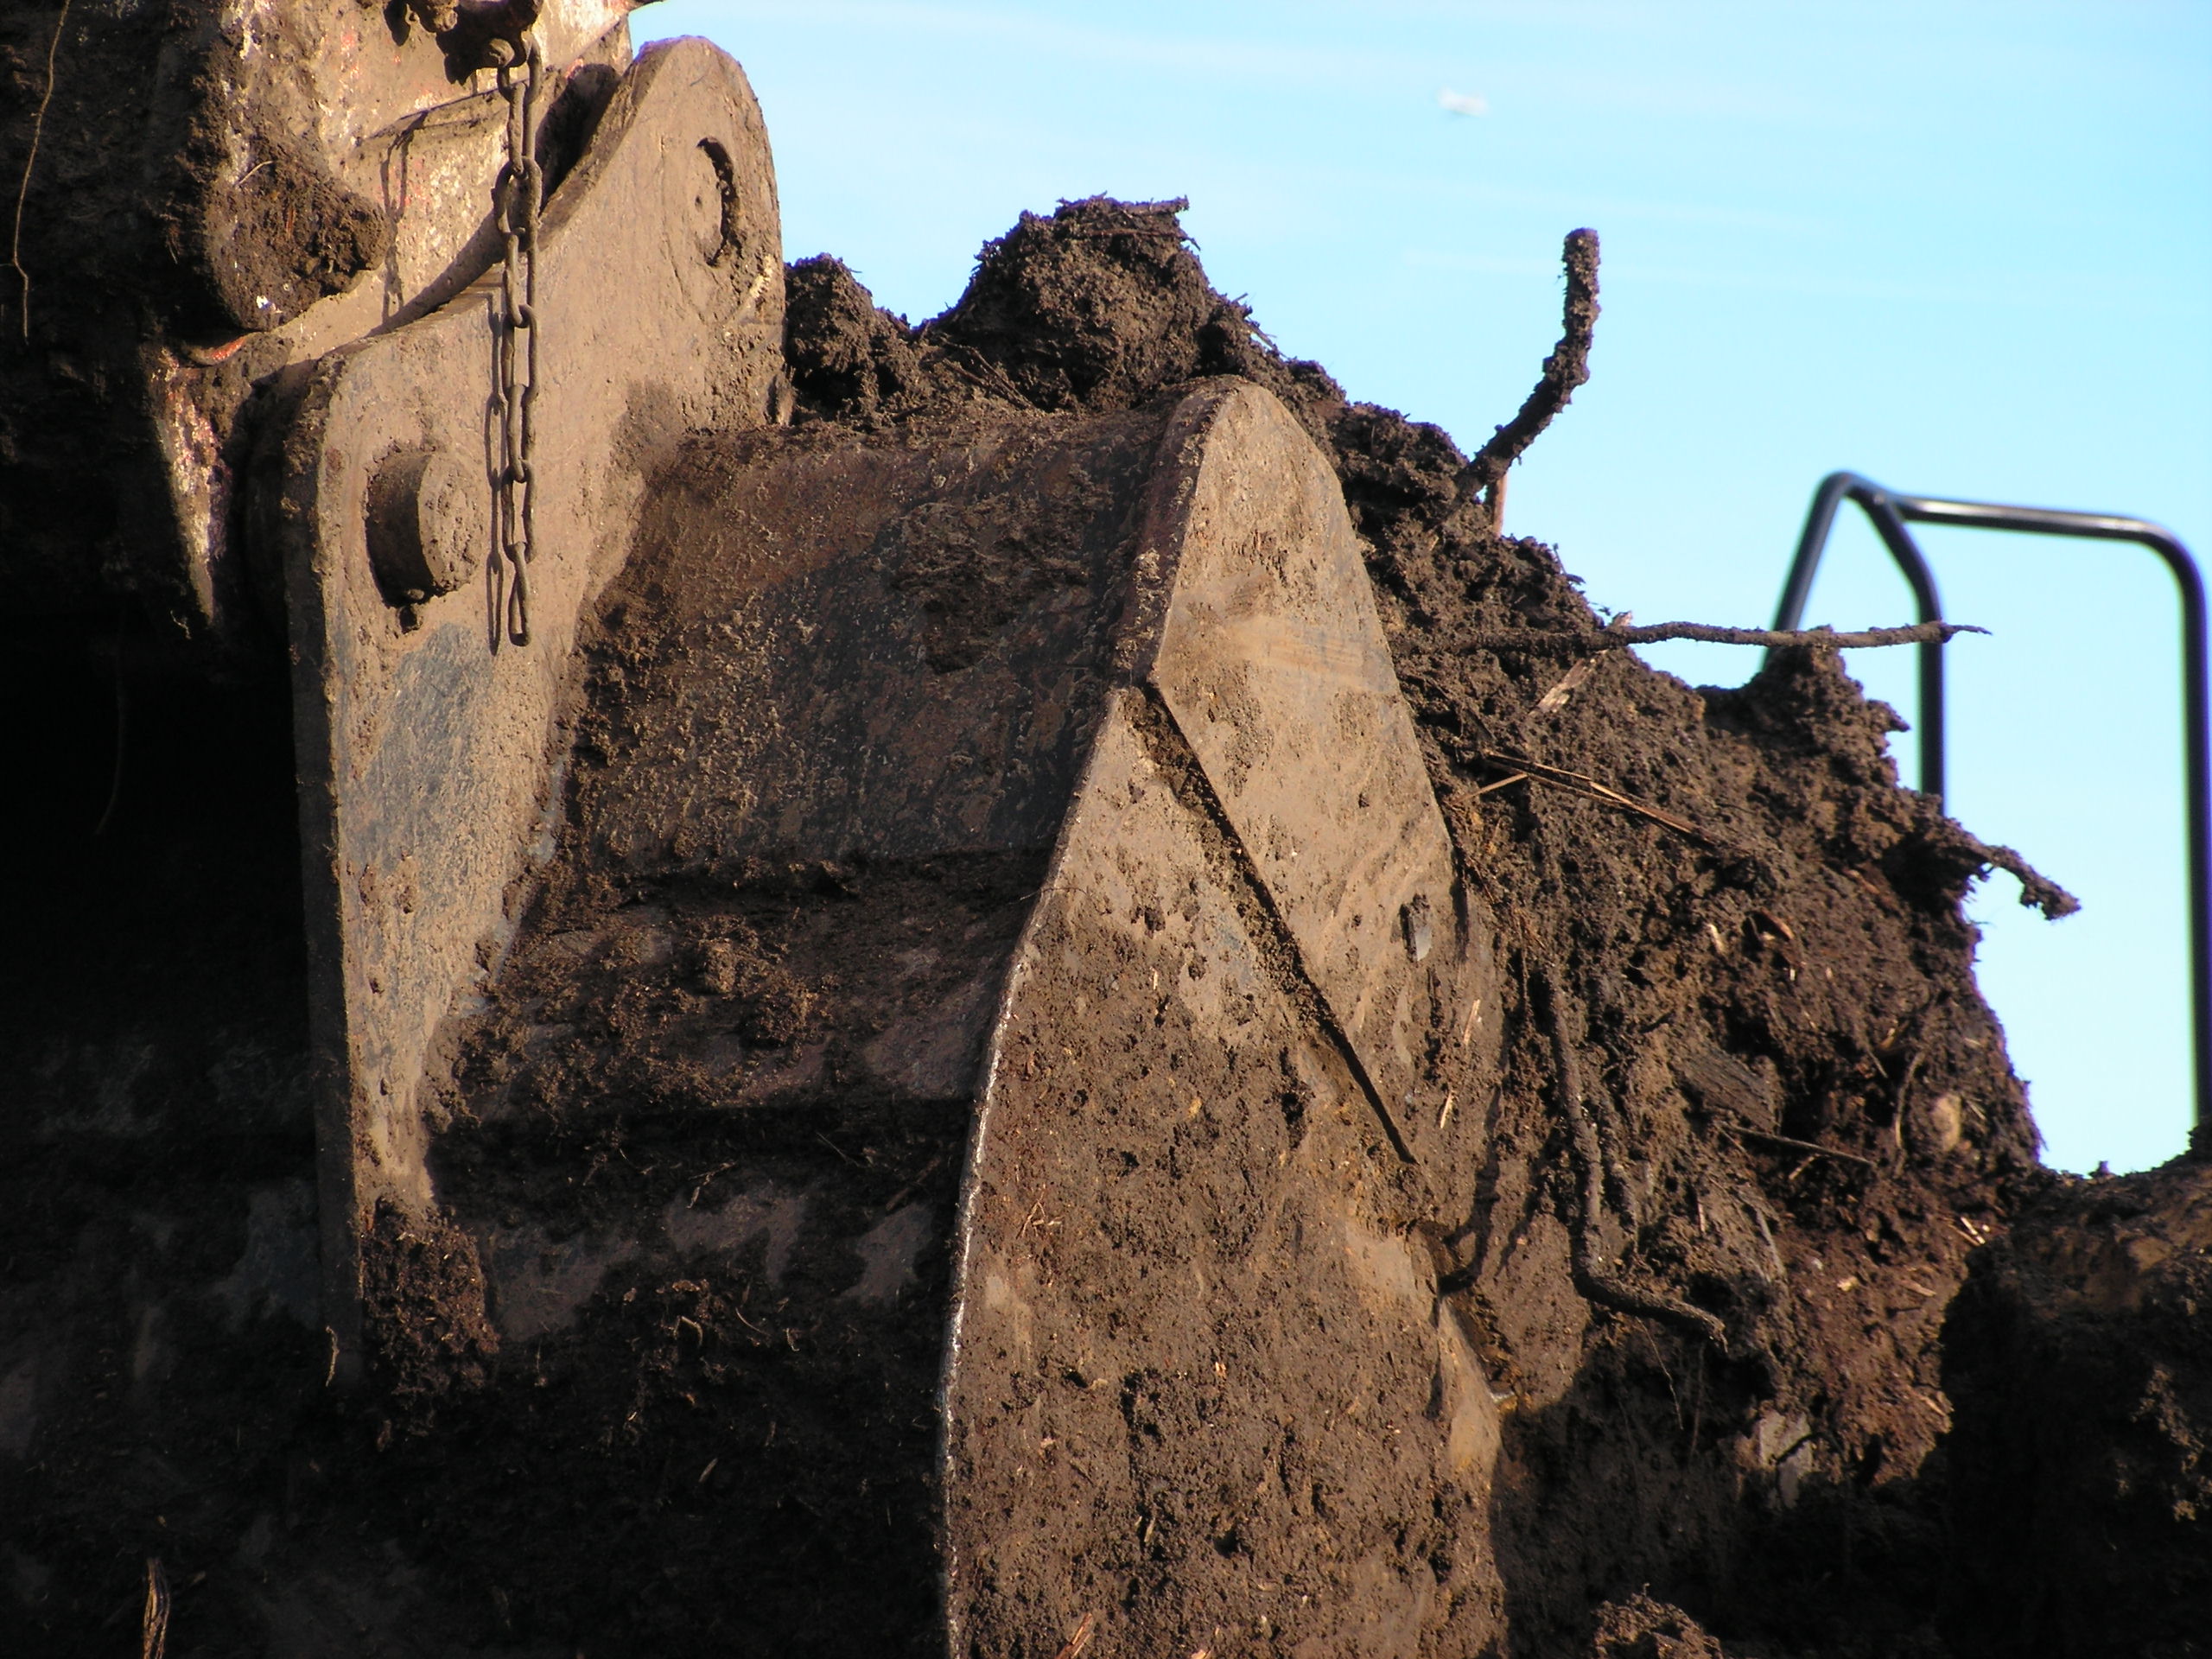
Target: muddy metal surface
661, 1373
201, 193
1037, 952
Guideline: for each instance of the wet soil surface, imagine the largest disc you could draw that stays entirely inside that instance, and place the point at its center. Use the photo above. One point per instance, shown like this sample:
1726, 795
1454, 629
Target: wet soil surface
660, 1377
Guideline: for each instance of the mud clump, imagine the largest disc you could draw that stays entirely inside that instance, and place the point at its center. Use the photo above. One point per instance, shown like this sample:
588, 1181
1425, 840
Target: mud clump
267, 250
1640, 1628
848, 359
2079, 1362
422, 1288
770, 1004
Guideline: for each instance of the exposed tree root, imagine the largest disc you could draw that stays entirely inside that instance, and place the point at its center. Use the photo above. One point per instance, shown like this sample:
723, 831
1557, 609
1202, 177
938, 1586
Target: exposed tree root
1567, 367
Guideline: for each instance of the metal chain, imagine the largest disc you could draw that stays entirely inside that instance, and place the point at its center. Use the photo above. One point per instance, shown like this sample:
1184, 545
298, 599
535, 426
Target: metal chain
521, 196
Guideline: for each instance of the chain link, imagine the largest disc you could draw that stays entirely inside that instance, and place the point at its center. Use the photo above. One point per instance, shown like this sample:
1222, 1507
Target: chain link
521, 196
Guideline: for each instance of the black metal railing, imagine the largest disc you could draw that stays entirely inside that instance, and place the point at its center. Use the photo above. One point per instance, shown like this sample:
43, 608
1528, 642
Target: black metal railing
1890, 513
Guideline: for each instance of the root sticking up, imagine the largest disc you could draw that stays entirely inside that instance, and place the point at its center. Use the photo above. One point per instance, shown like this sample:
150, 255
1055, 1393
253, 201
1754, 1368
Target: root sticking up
1567, 367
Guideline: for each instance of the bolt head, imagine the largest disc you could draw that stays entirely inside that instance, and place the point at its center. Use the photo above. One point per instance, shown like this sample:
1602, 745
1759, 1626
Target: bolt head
429, 524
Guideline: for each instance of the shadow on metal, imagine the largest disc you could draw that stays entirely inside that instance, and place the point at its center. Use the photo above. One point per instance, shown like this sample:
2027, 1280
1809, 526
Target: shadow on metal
1890, 513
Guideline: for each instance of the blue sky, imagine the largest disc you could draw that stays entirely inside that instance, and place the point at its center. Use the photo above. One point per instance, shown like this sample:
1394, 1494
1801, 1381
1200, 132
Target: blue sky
1963, 248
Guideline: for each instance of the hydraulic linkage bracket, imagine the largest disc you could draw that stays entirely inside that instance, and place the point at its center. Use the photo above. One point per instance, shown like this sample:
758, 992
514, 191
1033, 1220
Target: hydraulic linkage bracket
1891, 513
427, 755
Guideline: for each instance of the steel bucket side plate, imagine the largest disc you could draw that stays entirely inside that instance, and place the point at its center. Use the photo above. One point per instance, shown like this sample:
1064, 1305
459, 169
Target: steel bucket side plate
1200, 1382
427, 754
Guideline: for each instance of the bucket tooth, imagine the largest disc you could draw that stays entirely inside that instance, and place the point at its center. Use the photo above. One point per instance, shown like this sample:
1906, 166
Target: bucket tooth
1005, 965
1188, 1291
1273, 671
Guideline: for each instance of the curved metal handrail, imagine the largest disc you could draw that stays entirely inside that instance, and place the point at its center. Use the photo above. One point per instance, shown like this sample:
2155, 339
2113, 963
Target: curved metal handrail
1890, 513
1881, 511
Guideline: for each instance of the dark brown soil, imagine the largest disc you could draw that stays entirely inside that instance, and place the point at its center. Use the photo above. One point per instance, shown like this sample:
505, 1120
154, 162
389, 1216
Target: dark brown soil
1797, 976
1808, 1126
1640, 1628
2079, 1358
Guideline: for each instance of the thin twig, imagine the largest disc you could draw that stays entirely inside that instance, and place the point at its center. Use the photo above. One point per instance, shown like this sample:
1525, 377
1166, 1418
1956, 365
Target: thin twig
1597, 1279
1569, 682
23, 188
1812, 1146
154, 1620
1579, 642
1580, 784
1567, 367
1903, 1090
1004, 387
1081, 1639
914, 1185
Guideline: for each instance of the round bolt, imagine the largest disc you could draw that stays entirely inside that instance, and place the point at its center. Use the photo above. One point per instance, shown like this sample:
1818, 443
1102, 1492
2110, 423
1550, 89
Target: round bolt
429, 524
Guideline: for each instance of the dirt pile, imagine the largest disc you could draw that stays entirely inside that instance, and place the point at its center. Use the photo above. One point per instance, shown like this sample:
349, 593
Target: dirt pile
2079, 1358
1100, 306
1754, 1120
1805, 1117
1640, 1628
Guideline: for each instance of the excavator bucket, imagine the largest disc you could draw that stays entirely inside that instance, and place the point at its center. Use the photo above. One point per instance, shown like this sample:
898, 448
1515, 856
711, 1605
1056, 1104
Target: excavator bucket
702, 975
957, 922
1041, 992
